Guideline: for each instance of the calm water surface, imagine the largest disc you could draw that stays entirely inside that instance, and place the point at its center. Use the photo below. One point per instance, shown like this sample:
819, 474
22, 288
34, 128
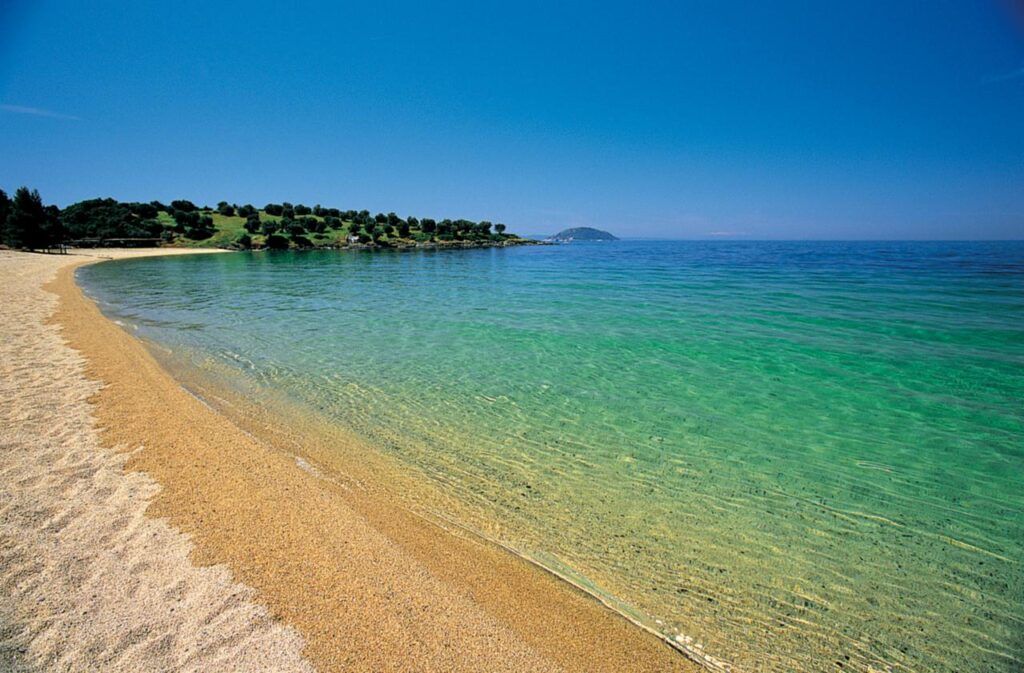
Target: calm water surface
788, 456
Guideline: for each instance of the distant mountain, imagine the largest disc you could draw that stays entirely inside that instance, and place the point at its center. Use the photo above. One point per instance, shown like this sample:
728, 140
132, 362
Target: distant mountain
582, 234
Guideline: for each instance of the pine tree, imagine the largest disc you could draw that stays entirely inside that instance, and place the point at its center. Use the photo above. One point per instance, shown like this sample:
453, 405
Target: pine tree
26, 221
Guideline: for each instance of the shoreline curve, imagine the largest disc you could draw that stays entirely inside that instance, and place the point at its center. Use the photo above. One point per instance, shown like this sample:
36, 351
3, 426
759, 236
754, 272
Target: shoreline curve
368, 584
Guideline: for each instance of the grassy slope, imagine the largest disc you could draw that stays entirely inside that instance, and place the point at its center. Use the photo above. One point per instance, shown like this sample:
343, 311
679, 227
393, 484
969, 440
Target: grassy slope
230, 228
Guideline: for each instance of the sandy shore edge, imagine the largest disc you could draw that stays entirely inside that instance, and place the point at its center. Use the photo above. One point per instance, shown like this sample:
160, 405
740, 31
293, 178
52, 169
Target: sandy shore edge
88, 581
367, 585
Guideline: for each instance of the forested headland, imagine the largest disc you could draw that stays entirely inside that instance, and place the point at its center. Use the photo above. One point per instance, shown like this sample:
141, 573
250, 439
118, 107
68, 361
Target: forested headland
27, 223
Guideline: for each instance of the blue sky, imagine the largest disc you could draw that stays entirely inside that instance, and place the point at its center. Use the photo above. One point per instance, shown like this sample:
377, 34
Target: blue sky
676, 120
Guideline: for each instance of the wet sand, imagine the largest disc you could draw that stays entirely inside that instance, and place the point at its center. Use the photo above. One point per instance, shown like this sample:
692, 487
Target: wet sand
362, 582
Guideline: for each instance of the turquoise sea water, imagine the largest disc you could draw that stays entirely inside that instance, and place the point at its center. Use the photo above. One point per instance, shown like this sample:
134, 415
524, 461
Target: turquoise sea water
785, 456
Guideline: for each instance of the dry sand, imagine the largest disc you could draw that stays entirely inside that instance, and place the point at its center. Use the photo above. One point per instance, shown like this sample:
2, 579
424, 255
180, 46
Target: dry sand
90, 583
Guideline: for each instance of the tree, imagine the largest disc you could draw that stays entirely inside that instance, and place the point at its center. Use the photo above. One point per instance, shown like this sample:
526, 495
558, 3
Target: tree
428, 225
404, 229
273, 209
270, 227
5, 207
302, 210
146, 211
107, 218
380, 218
354, 227
244, 241
225, 209
202, 230
182, 204
26, 221
53, 228
186, 218
463, 227
500, 228
275, 242
252, 223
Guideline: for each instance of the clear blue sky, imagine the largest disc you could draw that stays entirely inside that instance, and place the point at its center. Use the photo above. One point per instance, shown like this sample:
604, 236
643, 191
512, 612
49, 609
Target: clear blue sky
676, 120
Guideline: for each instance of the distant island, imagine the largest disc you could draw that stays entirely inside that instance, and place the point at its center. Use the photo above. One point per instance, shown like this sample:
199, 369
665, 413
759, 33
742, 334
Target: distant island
582, 234
26, 223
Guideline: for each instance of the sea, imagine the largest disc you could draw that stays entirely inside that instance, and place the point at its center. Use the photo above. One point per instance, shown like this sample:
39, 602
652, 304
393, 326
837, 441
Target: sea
780, 456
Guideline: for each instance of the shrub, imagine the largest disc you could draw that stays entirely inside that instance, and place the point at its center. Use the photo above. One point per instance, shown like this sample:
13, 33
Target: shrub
276, 242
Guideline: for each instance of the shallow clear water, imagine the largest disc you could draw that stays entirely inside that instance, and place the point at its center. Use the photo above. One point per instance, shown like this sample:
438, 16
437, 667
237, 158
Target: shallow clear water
798, 456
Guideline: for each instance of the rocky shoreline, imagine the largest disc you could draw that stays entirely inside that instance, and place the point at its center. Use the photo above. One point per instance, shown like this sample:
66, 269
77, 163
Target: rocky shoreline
431, 245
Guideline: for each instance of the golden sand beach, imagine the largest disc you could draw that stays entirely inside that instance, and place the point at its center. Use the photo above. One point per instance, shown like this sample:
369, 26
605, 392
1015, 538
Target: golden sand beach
142, 530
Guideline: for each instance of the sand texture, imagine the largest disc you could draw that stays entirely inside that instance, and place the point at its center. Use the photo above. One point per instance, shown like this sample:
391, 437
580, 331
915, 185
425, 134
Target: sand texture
358, 579
87, 581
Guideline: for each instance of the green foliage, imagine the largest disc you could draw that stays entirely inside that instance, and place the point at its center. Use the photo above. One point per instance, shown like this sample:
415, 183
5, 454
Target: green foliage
107, 218
5, 207
201, 230
29, 224
228, 225
252, 223
182, 204
146, 211
275, 242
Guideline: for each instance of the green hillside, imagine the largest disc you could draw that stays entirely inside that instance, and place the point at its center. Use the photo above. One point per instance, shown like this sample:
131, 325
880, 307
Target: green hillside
183, 224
